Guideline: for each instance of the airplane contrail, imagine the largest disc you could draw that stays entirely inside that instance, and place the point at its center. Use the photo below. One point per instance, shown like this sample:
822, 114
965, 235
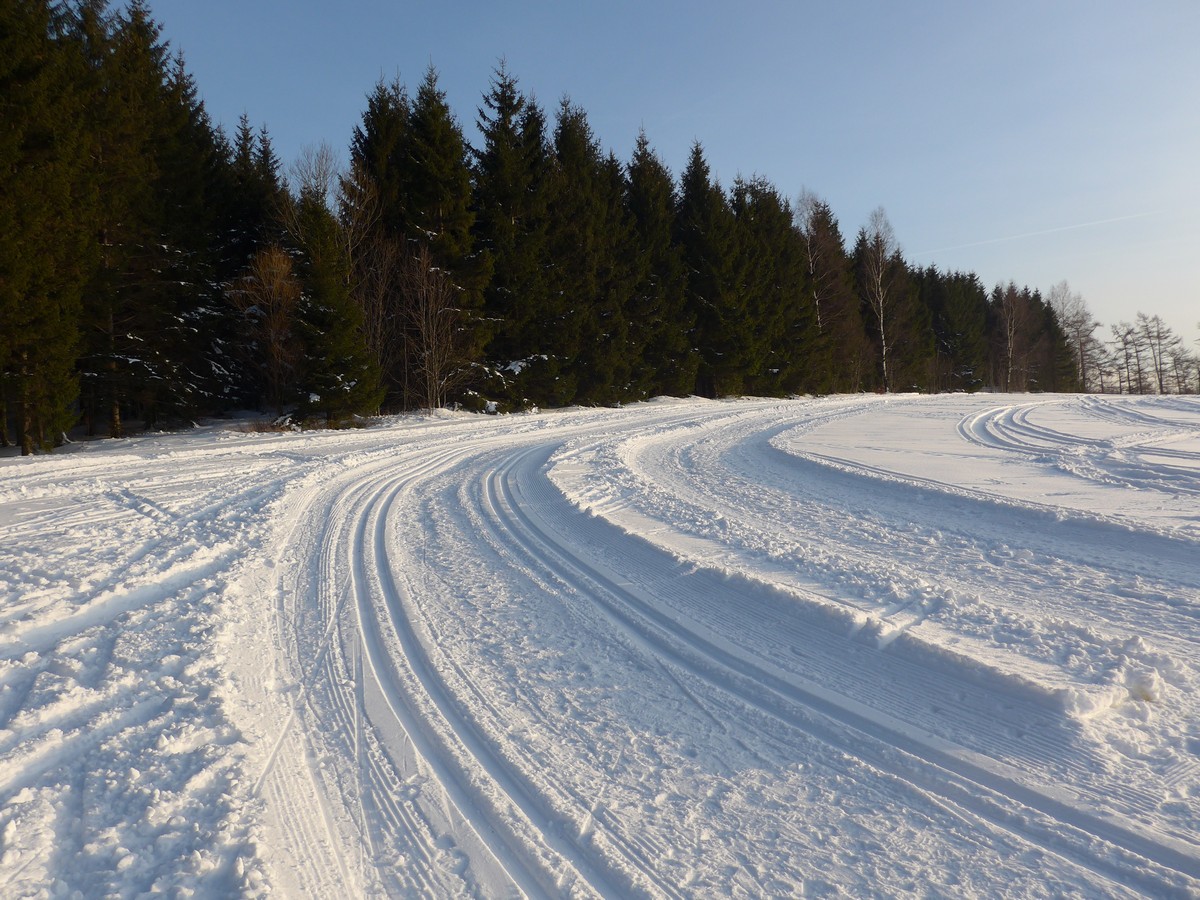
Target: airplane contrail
1028, 234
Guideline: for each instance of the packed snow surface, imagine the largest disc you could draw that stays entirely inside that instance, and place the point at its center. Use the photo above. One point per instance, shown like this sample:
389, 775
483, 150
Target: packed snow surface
868, 645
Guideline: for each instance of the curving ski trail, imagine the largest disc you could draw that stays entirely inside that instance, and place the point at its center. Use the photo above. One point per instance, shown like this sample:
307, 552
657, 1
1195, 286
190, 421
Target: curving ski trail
858, 645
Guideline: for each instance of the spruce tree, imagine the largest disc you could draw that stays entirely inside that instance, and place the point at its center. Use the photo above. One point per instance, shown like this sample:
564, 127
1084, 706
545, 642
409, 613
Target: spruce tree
841, 355
575, 224
128, 62
779, 323
957, 309
511, 193
659, 322
379, 158
439, 211
46, 199
373, 209
254, 196
704, 230
608, 358
189, 193
156, 297
438, 178
1052, 366
337, 377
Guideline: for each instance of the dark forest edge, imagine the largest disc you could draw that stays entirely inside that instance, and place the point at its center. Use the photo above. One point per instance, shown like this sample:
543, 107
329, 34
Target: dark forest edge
153, 269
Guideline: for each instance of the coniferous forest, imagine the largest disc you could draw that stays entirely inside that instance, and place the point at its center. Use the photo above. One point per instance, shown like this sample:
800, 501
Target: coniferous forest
154, 268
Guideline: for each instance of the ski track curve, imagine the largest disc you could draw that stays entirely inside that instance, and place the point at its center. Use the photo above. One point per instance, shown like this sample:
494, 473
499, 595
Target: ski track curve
689, 648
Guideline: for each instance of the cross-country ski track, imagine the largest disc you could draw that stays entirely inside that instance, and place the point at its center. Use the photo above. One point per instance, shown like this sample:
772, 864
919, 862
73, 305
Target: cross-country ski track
860, 645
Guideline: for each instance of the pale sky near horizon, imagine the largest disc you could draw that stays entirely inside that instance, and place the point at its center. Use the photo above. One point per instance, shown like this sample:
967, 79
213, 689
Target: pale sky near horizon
1032, 140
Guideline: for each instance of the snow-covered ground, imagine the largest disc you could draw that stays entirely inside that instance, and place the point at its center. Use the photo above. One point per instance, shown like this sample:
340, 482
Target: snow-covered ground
890, 646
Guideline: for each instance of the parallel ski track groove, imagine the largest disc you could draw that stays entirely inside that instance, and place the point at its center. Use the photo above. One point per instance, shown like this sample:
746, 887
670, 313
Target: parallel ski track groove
370, 554
1036, 723
955, 779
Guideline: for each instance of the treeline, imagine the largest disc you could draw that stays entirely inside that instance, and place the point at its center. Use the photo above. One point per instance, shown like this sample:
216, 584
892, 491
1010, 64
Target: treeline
154, 269
1141, 357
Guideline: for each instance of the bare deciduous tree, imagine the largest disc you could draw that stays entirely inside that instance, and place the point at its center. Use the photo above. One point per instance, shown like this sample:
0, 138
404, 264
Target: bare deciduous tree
883, 294
436, 327
1130, 352
268, 296
807, 207
1015, 311
1079, 326
377, 275
317, 169
1160, 342
1184, 370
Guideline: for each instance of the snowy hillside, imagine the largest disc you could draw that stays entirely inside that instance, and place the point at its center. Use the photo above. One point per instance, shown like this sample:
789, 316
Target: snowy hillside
856, 645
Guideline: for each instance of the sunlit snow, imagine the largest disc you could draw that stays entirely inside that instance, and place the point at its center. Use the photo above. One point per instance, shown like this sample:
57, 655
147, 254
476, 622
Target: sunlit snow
858, 645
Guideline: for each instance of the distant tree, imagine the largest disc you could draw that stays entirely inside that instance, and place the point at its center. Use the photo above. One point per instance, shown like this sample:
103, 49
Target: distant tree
438, 177
439, 213
187, 280
1129, 354
377, 258
256, 195
252, 198
611, 354
1053, 366
501, 196
374, 209
379, 158
158, 164
1161, 344
1030, 350
1014, 311
121, 309
957, 306
576, 219
1185, 370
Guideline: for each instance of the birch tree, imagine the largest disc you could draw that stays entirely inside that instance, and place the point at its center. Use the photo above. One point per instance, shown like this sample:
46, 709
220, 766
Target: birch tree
881, 268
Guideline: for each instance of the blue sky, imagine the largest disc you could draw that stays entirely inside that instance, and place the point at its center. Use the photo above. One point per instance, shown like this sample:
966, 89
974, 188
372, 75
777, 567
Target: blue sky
1030, 140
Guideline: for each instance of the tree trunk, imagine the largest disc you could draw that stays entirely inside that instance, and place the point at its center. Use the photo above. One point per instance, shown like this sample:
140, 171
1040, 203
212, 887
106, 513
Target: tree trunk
26, 409
114, 411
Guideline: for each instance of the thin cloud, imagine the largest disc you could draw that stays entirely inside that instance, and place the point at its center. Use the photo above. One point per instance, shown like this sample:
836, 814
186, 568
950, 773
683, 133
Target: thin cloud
1029, 234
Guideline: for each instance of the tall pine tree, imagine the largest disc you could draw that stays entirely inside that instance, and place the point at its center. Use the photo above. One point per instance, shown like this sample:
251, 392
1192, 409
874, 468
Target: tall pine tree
373, 209
781, 328
156, 160
338, 378
841, 356
608, 357
660, 322
47, 196
512, 177
576, 219
704, 229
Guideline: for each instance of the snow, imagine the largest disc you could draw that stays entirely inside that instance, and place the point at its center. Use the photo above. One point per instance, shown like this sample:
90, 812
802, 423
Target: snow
854, 645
